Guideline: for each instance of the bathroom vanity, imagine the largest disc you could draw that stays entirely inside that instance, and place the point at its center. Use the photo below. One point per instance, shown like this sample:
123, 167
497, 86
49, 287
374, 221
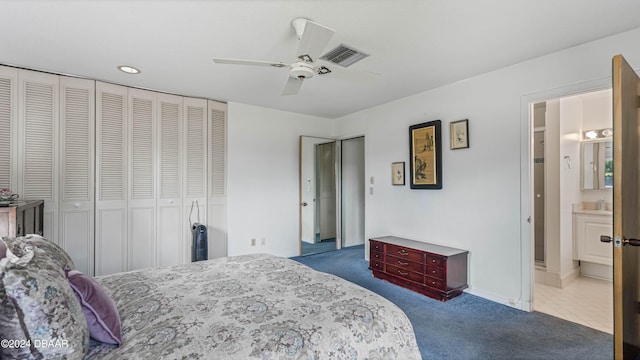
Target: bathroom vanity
589, 223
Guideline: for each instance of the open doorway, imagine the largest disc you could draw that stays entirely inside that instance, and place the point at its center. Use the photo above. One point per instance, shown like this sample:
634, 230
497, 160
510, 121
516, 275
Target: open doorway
571, 148
332, 193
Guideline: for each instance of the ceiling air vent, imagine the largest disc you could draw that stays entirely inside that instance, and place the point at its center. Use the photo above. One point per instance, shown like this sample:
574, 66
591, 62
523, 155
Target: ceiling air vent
344, 55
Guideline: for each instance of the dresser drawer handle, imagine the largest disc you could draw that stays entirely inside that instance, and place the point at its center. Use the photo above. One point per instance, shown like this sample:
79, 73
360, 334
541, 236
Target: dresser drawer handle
434, 260
433, 283
433, 271
403, 263
403, 253
403, 273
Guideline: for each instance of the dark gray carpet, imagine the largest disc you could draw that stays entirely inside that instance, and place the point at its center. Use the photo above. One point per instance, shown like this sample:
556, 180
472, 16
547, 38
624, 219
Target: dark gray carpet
470, 327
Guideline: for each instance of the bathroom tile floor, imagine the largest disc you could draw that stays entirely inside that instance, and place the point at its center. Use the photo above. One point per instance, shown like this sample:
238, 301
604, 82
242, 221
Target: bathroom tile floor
585, 301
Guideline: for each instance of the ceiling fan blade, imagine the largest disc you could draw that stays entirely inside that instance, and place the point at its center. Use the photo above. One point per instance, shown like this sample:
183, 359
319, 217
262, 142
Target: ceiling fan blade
292, 86
249, 62
314, 39
348, 74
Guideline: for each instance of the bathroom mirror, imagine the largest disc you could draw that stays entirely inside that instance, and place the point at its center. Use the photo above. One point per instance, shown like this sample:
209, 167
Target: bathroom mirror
597, 165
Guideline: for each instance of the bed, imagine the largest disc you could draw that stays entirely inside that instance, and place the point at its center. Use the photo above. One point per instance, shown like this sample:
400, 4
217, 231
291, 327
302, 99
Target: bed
255, 306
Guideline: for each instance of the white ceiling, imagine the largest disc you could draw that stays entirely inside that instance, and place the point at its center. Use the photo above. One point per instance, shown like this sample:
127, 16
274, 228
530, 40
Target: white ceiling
413, 45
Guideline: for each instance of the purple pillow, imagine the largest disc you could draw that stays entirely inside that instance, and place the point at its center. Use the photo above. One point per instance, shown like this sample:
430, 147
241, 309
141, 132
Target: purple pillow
3, 249
99, 309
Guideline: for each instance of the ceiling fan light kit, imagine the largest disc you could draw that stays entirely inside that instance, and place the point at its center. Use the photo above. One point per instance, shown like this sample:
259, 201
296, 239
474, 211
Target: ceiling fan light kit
313, 38
301, 70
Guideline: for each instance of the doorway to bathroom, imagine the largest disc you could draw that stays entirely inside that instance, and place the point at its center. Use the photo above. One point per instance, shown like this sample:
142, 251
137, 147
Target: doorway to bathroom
572, 194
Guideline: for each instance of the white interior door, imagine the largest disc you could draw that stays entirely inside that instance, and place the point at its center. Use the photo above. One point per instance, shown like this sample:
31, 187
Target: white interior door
217, 169
353, 191
77, 146
111, 179
8, 128
142, 189
169, 178
38, 144
195, 167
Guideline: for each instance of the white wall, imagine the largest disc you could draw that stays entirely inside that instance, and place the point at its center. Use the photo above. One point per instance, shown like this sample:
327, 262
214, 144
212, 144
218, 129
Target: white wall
552, 159
263, 177
478, 208
571, 116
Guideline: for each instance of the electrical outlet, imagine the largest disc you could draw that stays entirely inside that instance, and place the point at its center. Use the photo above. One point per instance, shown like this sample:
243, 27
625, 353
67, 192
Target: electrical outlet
253, 242
263, 241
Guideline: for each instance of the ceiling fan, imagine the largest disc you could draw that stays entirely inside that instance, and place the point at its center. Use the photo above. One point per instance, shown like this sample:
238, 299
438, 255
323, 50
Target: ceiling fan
313, 38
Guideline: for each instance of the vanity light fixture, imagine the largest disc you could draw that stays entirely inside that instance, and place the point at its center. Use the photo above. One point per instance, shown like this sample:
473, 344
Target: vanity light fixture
128, 69
591, 134
597, 134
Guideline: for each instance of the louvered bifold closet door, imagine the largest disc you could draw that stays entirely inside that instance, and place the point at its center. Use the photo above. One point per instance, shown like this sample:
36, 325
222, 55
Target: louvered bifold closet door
111, 179
142, 189
217, 189
195, 167
38, 104
8, 128
77, 146
171, 223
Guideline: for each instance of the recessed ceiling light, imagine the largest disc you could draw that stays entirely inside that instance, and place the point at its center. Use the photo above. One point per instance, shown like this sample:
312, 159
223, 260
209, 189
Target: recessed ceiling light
128, 69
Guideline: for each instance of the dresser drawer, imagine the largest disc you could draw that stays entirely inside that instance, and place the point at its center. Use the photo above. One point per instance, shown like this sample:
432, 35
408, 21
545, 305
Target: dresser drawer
376, 255
404, 253
375, 264
376, 246
404, 273
435, 260
435, 283
434, 272
404, 263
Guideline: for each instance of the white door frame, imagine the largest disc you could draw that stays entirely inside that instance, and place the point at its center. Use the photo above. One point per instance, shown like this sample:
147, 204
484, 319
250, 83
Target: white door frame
527, 250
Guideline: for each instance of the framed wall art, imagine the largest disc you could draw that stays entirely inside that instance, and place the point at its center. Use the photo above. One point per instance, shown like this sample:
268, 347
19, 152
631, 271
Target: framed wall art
397, 173
426, 155
459, 131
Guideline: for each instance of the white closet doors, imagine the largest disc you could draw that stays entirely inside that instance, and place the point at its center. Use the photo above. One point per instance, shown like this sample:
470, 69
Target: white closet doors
111, 229
8, 128
46, 153
118, 168
217, 224
170, 218
37, 170
76, 193
151, 163
142, 188
194, 168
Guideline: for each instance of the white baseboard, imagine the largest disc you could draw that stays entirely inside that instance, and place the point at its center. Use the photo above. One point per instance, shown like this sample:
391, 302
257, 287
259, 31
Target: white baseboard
511, 302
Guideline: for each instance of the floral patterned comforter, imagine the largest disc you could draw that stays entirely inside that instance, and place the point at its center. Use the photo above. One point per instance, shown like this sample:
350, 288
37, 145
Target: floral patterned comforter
252, 307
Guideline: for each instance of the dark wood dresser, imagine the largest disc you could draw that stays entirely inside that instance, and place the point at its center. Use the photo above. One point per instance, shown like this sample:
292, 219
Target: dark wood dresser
22, 218
436, 271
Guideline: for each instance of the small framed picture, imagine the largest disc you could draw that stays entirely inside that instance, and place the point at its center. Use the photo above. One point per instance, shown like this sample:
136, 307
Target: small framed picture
459, 131
397, 173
